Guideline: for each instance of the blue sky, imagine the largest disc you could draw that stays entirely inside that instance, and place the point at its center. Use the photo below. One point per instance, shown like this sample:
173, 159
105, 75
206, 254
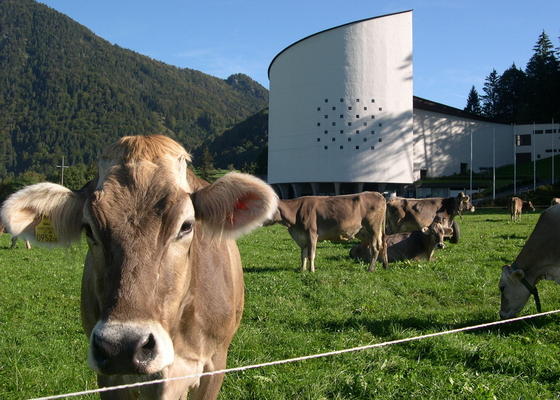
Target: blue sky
456, 42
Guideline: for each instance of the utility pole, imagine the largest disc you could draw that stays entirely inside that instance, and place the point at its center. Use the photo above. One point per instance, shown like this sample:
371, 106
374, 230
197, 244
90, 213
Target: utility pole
534, 160
552, 134
514, 161
494, 164
471, 165
62, 166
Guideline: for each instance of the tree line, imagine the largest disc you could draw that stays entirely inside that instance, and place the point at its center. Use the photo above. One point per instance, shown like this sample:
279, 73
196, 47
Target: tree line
522, 96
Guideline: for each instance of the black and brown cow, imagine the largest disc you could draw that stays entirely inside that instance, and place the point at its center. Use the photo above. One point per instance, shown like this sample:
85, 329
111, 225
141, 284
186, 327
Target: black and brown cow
335, 218
408, 215
162, 288
416, 245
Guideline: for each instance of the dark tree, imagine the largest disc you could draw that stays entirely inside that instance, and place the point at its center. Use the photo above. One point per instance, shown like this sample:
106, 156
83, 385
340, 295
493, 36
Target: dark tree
206, 164
473, 102
511, 95
543, 82
490, 96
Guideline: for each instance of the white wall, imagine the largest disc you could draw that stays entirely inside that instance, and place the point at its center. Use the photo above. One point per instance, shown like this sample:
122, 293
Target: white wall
365, 66
442, 142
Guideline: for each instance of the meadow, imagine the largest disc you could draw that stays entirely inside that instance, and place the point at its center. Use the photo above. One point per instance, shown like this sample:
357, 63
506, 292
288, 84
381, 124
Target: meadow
290, 314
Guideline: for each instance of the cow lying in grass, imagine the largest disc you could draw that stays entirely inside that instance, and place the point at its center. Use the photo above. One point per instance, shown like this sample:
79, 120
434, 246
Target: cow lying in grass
416, 245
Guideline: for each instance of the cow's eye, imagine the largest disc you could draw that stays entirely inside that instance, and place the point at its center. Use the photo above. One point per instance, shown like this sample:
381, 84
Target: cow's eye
186, 228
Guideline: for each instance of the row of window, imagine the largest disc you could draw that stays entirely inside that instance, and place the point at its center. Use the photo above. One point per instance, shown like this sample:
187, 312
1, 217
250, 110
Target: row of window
350, 124
357, 131
349, 139
342, 100
342, 116
349, 109
342, 147
541, 131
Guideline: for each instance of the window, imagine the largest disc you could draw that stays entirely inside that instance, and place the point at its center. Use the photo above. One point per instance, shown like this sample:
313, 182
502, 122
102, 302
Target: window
357, 100
341, 116
379, 140
326, 100
523, 140
357, 115
423, 173
334, 108
380, 124
357, 131
373, 132
325, 132
341, 147
373, 117
326, 147
349, 123
372, 147
548, 131
333, 139
357, 147
341, 100
334, 123
341, 131
318, 139
373, 101
318, 108
365, 139
318, 124
349, 108
349, 139
380, 108
538, 132
326, 116
365, 123
365, 108
523, 157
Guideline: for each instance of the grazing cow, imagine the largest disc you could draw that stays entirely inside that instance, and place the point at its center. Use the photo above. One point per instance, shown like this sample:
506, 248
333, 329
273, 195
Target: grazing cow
539, 259
554, 201
14, 238
407, 215
162, 289
517, 205
335, 218
417, 245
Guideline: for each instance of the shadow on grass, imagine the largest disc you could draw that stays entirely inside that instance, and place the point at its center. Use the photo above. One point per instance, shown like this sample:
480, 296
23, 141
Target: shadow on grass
392, 328
508, 237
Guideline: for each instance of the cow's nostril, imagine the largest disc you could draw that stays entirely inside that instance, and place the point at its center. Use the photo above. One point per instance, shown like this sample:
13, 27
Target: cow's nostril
146, 350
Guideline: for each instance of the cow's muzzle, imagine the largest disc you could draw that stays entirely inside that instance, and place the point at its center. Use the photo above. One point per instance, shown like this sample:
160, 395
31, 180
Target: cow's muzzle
440, 245
129, 348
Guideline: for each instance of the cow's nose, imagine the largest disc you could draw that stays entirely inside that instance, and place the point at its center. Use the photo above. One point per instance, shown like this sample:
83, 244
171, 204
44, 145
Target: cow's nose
128, 354
440, 245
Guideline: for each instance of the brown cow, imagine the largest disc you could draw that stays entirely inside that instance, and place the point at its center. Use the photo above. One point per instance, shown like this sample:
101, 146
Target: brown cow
517, 205
162, 289
539, 259
417, 245
407, 215
335, 218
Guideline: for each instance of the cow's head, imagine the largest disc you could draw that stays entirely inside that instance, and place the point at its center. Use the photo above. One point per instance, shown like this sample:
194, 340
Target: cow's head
465, 203
529, 205
514, 294
436, 233
141, 218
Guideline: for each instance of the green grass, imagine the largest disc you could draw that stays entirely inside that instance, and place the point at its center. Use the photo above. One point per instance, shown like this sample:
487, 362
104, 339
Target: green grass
289, 314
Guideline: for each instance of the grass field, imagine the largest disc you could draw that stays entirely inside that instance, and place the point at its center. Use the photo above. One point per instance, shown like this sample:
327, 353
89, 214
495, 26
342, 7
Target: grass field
289, 314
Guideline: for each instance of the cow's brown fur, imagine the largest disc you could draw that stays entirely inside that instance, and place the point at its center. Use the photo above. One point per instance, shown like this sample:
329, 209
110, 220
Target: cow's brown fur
538, 260
417, 245
516, 207
407, 215
554, 201
151, 263
335, 218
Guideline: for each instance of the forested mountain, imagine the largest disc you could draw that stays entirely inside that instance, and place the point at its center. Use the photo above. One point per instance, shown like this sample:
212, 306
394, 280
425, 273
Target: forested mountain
523, 96
65, 91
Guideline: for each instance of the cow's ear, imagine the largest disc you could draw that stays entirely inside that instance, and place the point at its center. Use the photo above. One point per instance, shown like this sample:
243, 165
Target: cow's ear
44, 213
234, 204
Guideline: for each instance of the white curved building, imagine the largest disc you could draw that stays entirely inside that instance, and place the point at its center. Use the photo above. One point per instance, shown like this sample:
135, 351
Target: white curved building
343, 118
340, 107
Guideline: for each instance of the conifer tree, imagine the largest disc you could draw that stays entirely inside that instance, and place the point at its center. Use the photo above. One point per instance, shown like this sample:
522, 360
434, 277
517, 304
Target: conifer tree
490, 96
511, 95
473, 102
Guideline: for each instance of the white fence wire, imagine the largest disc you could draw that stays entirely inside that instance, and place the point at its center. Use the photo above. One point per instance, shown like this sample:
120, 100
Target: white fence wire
297, 359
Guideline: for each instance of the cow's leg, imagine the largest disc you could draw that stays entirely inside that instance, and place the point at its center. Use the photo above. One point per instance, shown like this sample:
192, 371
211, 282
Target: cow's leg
14, 242
374, 254
304, 256
27, 245
312, 251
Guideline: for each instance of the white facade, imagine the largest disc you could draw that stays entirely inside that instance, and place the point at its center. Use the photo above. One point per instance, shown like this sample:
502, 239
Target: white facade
342, 112
340, 105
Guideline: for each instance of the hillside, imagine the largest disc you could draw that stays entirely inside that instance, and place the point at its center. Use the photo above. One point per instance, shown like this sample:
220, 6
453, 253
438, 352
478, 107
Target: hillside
65, 91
